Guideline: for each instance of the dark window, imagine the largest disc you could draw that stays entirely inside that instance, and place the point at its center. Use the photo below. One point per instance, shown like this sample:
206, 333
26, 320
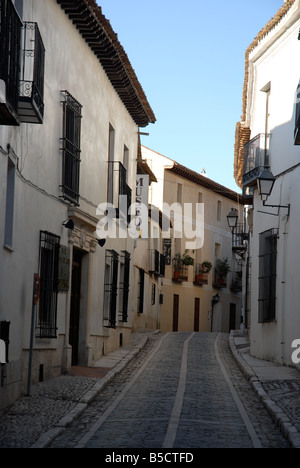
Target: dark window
153, 294
141, 291
124, 287
10, 201
71, 148
267, 275
297, 118
111, 288
47, 309
10, 47
4, 335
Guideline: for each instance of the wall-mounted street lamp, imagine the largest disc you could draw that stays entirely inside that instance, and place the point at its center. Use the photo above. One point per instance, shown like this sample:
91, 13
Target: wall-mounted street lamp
232, 219
265, 182
69, 224
239, 236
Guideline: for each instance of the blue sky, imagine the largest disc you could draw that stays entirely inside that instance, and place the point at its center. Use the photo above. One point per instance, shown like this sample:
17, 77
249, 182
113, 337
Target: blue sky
190, 58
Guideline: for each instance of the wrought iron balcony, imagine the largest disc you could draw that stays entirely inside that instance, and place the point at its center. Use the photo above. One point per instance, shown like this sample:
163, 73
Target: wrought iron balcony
117, 187
157, 263
10, 46
239, 238
180, 273
31, 98
256, 159
154, 262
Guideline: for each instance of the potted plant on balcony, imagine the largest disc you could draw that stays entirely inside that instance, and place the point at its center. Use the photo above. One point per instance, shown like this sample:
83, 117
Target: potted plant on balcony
221, 271
187, 260
204, 269
177, 266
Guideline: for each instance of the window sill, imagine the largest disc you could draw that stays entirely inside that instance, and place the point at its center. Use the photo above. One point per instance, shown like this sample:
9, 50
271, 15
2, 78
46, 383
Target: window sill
8, 248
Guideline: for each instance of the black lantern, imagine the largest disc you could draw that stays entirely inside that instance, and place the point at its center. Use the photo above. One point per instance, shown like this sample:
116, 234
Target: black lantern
265, 183
232, 219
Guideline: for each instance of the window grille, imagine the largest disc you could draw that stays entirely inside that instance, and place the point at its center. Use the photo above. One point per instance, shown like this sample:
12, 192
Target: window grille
110, 288
267, 275
48, 268
141, 291
124, 287
71, 148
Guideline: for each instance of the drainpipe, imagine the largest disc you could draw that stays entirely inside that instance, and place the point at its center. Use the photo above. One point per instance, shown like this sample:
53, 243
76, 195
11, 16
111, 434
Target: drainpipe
284, 270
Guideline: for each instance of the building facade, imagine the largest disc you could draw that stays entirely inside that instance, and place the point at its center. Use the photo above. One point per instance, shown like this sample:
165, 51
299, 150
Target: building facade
203, 279
70, 111
267, 152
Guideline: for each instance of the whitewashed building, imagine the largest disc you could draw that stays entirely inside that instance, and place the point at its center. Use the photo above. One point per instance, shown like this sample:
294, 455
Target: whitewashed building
70, 111
269, 129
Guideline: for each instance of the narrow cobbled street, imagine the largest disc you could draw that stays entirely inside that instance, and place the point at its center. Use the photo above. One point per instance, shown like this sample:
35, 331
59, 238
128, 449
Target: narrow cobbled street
182, 391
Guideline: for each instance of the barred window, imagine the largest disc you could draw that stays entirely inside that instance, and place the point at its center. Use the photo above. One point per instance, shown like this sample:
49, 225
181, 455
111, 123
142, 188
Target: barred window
267, 275
47, 311
111, 288
71, 148
124, 287
141, 291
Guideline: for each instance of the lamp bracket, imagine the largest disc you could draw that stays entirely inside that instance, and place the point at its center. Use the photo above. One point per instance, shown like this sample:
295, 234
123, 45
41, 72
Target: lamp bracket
286, 207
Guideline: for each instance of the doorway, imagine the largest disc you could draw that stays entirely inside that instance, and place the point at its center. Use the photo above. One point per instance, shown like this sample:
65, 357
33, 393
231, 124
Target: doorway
75, 305
197, 315
175, 312
232, 317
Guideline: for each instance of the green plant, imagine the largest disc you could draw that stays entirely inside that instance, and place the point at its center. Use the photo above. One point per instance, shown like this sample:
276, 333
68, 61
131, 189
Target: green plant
187, 259
222, 267
206, 267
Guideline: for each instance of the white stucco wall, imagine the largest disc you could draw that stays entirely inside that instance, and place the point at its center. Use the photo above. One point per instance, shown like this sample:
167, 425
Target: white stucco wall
70, 65
277, 63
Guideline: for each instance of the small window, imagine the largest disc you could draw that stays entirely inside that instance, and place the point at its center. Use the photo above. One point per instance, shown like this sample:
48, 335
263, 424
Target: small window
71, 151
48, 270
217, 251
153, 294
126, 161
10, 201
219, 211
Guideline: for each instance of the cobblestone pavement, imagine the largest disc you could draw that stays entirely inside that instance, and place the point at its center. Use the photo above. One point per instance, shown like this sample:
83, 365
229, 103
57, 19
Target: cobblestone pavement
160, 400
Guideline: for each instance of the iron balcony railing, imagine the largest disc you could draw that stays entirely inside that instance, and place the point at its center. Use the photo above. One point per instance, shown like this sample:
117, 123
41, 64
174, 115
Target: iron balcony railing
239, 238
31, 99
256, 159
118, 187
157, 263
200, 277
10, 47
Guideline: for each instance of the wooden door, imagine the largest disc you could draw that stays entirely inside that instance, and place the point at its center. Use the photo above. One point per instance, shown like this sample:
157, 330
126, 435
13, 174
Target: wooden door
75, 306
175, 313
232, 317
197, 315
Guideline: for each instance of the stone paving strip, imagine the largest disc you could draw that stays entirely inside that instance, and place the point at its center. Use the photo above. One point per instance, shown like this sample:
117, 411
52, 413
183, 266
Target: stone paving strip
61, 400
277, 387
